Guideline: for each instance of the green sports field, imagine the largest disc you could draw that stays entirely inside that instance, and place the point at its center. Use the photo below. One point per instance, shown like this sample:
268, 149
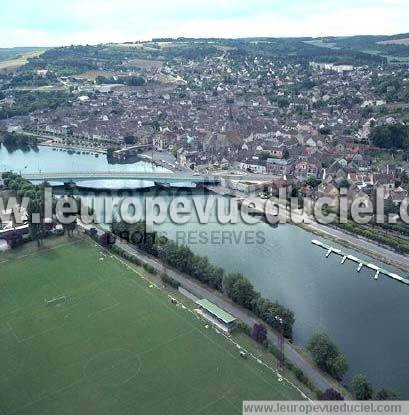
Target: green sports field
116, 345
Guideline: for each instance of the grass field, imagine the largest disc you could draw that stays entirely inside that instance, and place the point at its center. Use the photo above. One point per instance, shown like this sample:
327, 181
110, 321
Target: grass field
9, 65
92, 75
115, 346
404, 41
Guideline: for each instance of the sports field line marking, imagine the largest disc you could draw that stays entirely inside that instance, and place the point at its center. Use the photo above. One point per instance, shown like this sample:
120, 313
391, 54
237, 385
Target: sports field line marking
254, 370
103, 310
208, 405
3, 262
167, 343
49, 249
47, 395
233, 404
11, 328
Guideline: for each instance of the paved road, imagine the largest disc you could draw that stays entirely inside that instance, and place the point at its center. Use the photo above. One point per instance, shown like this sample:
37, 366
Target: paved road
201, 291
107, 175
371, 248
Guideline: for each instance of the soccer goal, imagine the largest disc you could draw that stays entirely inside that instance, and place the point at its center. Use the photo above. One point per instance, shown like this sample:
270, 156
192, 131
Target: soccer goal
56, 301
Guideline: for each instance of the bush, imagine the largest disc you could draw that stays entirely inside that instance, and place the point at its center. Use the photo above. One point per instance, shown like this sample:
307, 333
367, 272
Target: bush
331, 395
169, 280
327, 356
149, 268
244, 327
259, 333
362, 388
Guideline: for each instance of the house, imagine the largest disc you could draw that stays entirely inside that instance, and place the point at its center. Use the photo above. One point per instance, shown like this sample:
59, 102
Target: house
361, 179
279, 167
254, 165
398, 195
304, 169
278, 152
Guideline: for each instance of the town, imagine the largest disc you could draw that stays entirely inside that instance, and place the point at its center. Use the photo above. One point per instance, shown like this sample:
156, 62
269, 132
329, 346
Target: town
158, 313
314, 122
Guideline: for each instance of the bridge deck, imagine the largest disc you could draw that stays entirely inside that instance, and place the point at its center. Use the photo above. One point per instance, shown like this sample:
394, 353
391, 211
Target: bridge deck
80, 176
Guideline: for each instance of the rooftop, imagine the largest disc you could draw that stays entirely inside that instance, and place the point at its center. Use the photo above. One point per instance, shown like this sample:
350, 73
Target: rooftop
216, 311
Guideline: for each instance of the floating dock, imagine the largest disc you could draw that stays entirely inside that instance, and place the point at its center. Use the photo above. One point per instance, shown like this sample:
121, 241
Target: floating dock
361, 263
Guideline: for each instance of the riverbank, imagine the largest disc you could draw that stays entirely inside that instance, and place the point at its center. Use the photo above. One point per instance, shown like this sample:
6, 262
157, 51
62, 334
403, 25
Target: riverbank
104, 326
319, 379
72, 147
361, 244
350, 241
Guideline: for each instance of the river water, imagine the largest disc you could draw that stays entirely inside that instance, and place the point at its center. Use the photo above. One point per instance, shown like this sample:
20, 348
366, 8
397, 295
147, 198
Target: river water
367, 319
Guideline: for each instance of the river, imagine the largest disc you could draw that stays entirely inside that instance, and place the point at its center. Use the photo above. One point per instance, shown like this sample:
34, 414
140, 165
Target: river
367, 319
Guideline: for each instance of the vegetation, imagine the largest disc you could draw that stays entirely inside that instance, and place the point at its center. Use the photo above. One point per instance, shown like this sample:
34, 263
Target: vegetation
15, 141
327, 356
234, 285
389, 239
390, 136
331, 395
169, 281
35, 193
386, 395
362, 389
29, 101
117, 334
126, 80
259, 333
24, 188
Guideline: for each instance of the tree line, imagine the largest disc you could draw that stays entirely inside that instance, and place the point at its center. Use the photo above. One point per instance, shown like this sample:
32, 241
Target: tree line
235, 285
14, 141
390, 136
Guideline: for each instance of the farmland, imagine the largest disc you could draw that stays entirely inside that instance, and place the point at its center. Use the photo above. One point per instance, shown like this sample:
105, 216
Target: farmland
11, 64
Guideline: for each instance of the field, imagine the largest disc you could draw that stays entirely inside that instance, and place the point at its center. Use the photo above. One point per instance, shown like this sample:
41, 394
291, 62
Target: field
9, 65
404, 41
114, 345
144, 63
92, 75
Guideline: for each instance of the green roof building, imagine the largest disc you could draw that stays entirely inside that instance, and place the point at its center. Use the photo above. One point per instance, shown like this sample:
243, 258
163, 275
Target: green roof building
215, 312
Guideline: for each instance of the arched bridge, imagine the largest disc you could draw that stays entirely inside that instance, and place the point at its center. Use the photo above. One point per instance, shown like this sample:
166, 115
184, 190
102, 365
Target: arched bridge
167, 177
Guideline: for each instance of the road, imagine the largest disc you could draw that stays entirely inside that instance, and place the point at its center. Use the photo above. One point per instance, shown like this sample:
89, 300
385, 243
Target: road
371, 248
201, 291
121, 175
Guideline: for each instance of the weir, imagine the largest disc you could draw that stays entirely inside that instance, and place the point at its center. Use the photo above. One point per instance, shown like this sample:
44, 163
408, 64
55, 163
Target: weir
360, 262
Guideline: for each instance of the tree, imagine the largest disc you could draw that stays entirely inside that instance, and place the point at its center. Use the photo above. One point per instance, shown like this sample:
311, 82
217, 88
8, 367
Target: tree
312, 181
390, 136
331, 395
404, 178
107, 239
387, 395
35, 208
327, 356
240, 290
325, 131
129, 139
343, 184
259, 333
362, 388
